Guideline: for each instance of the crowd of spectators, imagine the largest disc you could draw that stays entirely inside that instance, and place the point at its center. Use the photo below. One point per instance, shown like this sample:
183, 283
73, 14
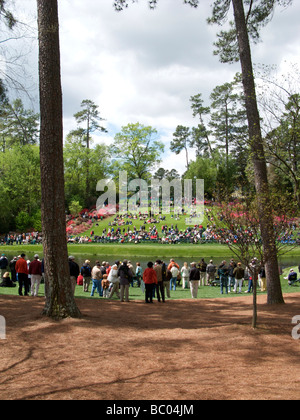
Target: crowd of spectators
21, 238
124, 229
159, 278
139, 228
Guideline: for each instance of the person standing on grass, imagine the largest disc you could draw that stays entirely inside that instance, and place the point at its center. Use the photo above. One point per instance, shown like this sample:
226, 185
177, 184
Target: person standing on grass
223, 274
22, 272
263, 280
103, 271
35, 270
202, 269
160, 284
210, 272
172, 263
125, 275
96, 278
185, 275
86, 272
138, 273
74, 272
105, 286
174, 271
166, 277
231, 277
194, 280
113, 278
12, 267
239, 274
150, 280
253, 271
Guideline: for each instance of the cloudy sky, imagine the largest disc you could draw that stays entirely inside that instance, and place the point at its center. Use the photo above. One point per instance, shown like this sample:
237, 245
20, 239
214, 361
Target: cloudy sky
143, 66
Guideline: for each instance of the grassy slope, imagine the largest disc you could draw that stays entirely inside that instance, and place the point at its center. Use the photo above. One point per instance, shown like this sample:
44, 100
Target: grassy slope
144, 249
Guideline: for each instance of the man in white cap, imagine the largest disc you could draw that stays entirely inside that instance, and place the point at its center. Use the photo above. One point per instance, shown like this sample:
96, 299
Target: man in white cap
35, 271
292, 277
86, 272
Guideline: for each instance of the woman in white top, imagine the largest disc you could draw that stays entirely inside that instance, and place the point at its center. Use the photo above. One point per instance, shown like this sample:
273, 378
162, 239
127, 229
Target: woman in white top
185, 274
114, 279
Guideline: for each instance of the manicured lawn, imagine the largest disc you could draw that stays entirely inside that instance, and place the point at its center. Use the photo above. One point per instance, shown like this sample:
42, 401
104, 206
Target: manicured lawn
132, 250
150, 250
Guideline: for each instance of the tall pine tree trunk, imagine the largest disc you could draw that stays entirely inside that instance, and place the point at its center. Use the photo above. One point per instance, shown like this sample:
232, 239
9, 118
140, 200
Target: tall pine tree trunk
258, 159
60, 302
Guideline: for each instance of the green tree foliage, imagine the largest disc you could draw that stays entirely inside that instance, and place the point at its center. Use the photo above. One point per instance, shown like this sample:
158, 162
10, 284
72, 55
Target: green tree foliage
235, 44
23, 221
283, 145
206, 169
19, 126
228, 117
19, 183
75, 207
258, 14
76, 159
137, 149
89, 116
122, 4
200, 134
222, 135
162, 173
181, 141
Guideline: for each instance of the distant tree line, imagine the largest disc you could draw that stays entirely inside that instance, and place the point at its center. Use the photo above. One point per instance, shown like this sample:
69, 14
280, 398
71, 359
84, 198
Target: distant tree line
216, 150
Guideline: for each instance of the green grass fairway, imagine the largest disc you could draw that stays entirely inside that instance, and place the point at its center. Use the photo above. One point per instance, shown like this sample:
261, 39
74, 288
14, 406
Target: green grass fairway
117, 250
154, 250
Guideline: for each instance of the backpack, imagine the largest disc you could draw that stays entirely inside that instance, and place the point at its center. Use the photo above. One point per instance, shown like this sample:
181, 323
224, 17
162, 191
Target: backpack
86, 271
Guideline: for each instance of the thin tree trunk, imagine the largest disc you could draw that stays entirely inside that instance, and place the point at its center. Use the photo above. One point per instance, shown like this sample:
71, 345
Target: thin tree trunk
60, 302
254, 315
258, 158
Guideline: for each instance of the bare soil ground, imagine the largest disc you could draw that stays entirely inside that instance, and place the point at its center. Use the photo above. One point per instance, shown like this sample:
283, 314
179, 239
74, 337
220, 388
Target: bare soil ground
180, 350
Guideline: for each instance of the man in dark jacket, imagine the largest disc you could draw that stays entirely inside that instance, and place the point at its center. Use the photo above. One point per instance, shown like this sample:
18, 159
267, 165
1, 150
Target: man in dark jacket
3, 265
202, 268
223, 274
74, 272
194, 279
292, 277
86, 271
35, 270
125, 275
12, 267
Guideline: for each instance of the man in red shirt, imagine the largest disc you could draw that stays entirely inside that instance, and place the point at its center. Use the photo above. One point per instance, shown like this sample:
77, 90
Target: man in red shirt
150, 280
35, 271
22, 274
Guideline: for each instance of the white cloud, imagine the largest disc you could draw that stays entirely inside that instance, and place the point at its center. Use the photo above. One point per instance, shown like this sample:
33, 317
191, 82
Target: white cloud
142, 66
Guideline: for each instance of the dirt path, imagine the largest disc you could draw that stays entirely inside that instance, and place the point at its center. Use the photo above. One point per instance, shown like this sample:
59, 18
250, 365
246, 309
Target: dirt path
189, 349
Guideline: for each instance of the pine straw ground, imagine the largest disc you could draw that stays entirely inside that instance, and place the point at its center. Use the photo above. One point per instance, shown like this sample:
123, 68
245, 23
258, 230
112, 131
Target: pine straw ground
180, 350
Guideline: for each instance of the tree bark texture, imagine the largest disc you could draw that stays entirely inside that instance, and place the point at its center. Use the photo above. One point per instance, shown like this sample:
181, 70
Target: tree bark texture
60, 302
258, 159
